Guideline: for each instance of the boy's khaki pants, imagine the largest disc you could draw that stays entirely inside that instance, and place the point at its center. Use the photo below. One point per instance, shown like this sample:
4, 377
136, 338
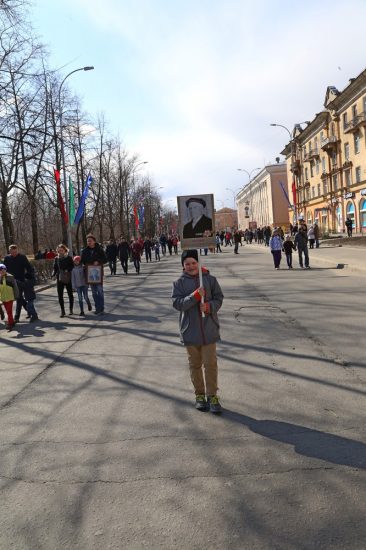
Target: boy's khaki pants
203, 368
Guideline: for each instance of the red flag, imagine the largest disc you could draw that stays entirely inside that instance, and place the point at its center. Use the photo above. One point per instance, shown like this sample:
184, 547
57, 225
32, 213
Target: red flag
294, 192
61, 203
136, 217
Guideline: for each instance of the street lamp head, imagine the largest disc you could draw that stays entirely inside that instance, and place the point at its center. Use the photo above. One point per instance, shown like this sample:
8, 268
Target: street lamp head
88, 68
273, 124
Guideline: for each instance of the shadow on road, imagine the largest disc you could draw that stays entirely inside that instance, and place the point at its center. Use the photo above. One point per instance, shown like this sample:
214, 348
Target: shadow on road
306, 441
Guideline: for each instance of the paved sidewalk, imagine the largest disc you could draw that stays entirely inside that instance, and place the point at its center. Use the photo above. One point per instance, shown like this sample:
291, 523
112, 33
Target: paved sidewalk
341, 257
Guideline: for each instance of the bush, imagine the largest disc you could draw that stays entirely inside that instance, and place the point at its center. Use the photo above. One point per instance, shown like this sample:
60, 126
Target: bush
43, 270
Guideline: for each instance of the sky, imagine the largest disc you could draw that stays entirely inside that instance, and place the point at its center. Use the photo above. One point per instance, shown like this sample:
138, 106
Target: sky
192, 87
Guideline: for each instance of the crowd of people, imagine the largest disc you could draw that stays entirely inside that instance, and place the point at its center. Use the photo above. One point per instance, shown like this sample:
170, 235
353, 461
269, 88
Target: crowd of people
302, 237
75, 273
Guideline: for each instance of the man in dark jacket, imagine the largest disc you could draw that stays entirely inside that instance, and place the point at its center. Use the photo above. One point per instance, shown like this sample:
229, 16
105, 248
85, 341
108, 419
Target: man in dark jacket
301, 244
18, 265
94, 254
124, 251
199, 223
111, 253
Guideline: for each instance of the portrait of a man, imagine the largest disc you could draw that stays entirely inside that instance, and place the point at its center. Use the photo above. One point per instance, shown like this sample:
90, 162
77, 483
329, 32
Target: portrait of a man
199, 224
94, 274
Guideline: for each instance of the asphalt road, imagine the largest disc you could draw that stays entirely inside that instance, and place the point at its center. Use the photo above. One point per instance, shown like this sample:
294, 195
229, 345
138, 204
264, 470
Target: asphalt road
101, 447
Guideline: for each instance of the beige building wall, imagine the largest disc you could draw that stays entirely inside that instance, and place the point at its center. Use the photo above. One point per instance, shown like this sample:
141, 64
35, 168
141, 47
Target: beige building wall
327, 161
262, 201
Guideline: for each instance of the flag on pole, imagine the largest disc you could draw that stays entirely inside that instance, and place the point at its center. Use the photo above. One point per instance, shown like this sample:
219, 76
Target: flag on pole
61, 203
285, 193
81, 208
294, 192
141, 215
136, 217
71, 202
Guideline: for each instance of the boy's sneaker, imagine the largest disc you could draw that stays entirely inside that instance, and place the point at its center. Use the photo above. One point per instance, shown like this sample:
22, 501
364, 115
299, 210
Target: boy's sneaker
89, 306
214, 404
201, 403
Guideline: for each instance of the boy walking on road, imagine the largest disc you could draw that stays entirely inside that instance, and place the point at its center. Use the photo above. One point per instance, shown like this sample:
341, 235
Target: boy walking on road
199, 334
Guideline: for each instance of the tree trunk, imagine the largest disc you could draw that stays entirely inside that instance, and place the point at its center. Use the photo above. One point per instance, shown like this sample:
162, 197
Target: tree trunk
8, 226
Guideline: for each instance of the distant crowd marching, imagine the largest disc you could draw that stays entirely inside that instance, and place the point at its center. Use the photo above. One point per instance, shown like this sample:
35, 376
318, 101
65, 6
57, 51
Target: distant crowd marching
77, 273
276, 240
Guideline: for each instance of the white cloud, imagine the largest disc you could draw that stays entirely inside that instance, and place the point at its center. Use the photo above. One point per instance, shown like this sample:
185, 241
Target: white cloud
212, 76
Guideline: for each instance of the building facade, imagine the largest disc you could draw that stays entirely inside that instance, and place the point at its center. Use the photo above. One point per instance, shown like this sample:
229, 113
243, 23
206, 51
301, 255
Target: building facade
263, 200
326, 161
226, 218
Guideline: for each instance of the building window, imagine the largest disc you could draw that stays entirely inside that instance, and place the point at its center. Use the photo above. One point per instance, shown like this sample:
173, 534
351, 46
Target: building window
313, 191
357, 141
317, 166
346, 151
312, 169
306, 174
347, 175
350, 212
321, 136
358, 174
332, 129
307, 191
334, 158
323, 164
364, 103
319, 190
354, 111
335, 182
325, 187
316, 145
345, 121
363, 212
310, 221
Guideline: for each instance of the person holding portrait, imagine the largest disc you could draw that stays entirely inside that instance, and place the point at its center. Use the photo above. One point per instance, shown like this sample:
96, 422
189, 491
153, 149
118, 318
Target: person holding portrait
93, 254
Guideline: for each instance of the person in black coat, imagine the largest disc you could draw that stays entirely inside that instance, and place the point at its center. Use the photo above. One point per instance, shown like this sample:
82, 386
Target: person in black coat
124, 252
18, 265
94, 254
62, 267
111, 253
199, 223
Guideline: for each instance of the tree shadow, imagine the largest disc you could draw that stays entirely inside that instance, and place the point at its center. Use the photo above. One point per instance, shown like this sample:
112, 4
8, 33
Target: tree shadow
306, 441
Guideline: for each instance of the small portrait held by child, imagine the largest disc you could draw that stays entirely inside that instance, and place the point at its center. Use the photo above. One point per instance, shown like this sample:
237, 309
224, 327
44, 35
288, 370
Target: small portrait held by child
199, 328
8, 293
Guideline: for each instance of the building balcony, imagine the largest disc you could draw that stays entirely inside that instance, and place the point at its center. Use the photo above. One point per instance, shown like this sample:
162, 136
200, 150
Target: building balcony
310, 155
354, 124
347, 164
295, 166
329, 143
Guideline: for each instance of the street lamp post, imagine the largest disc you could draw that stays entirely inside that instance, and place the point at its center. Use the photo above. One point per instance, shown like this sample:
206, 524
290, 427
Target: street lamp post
68, 225
234, 192
249, 174
293, 151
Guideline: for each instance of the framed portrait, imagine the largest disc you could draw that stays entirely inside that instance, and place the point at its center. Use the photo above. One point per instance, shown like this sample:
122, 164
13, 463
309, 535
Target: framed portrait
94, 274
196, 221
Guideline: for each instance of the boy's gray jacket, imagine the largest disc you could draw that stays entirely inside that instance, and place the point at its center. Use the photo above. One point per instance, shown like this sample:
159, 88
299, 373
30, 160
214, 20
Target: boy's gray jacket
196, 330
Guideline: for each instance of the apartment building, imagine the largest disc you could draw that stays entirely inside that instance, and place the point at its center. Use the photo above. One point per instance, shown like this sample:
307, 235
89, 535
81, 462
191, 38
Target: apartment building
263, 200
326, 161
